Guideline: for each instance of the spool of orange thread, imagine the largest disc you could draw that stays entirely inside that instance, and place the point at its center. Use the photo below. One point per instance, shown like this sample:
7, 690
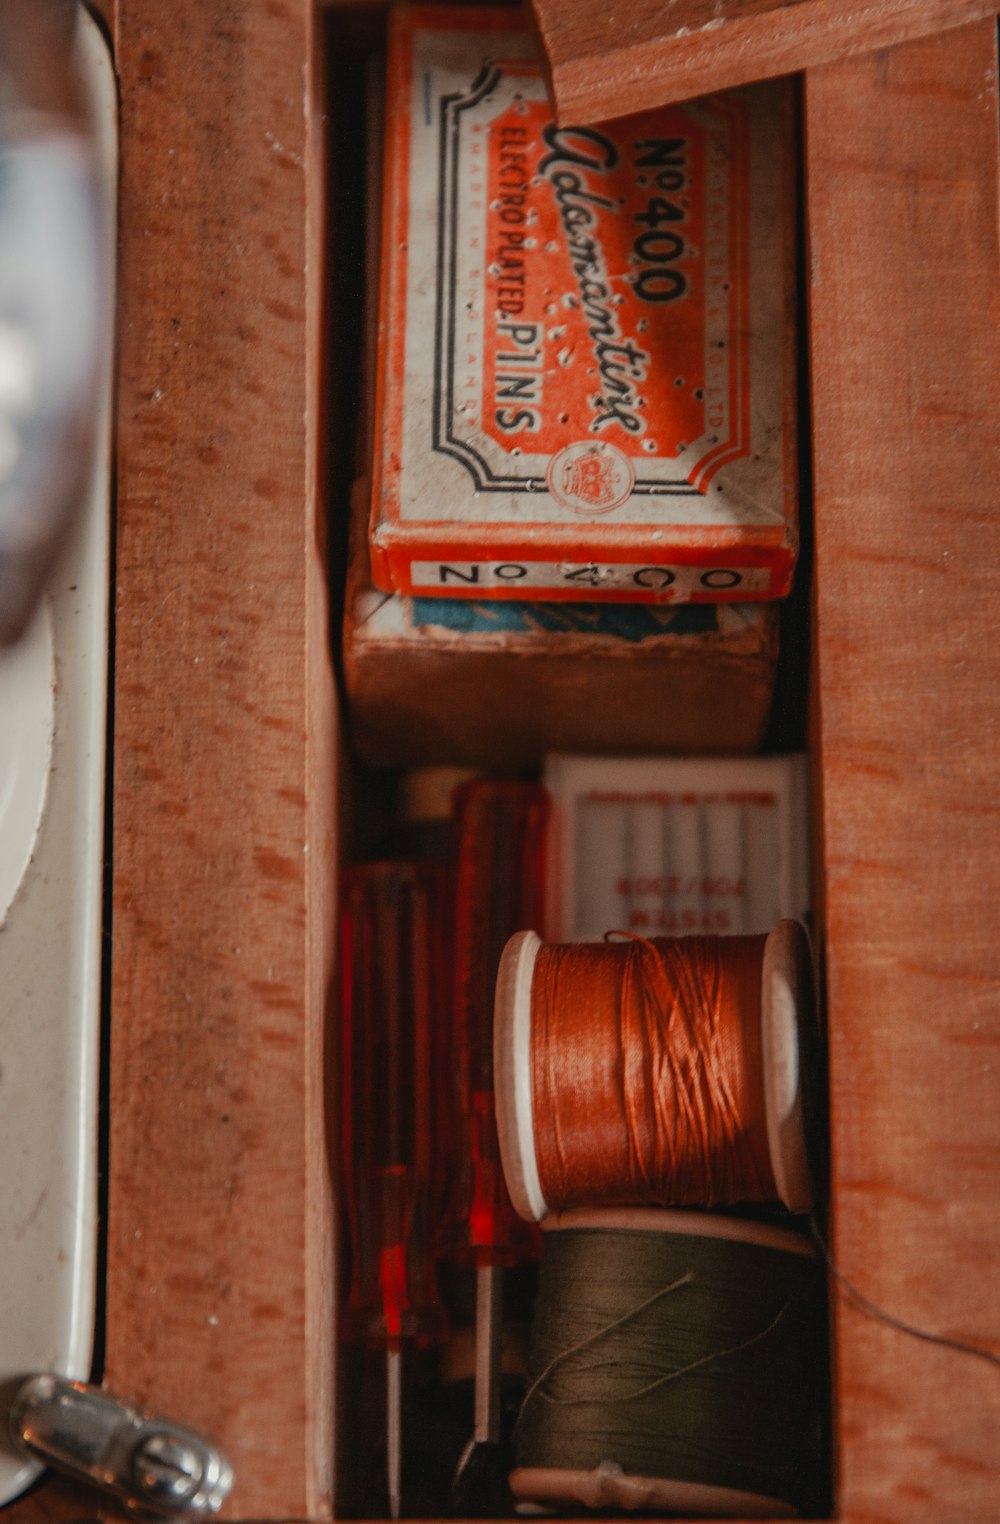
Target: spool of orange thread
663, 1072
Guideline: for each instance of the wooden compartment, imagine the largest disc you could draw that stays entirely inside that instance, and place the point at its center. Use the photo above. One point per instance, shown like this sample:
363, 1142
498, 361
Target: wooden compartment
600, 67
219, 1282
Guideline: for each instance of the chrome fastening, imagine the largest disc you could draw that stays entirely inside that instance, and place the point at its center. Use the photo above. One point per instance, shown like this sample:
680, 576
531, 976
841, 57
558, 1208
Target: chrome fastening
159, 1466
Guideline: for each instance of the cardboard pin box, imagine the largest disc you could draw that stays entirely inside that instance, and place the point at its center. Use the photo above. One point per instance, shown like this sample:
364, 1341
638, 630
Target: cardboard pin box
586, 373
500, 683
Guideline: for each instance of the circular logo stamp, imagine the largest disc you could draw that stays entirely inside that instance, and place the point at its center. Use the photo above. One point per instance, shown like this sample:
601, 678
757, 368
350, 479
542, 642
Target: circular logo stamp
590, 477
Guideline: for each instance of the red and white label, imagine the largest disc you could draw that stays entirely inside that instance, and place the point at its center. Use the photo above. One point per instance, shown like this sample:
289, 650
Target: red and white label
585, 330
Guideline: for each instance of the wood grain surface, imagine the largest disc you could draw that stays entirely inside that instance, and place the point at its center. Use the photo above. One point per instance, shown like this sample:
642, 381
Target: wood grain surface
903, 206
607, 61
219, 1286
219, 1300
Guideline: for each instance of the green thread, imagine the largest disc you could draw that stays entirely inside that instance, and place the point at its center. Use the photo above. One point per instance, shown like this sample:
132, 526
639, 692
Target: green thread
686, 1357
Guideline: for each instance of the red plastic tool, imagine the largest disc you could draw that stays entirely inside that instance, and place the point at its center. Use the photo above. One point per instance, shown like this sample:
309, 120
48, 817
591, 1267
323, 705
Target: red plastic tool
393, 1019
500, 827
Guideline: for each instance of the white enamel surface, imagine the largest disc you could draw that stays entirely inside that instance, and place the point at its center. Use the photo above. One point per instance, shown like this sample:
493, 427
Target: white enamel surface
27, 704
50, 953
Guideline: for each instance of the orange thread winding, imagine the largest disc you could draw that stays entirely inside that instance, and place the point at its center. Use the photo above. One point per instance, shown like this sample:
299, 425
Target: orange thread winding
646, 1073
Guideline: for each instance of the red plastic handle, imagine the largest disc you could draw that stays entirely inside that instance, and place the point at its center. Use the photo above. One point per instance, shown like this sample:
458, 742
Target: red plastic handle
392, 1025
500, 828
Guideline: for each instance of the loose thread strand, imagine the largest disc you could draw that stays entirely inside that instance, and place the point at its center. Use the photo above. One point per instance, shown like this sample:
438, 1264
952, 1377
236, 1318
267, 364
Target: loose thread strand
602, 1333
718, 1354
674, 1375
879, 1314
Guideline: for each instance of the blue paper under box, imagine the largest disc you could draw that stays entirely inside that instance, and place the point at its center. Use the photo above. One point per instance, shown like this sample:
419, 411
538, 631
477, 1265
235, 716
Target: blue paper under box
491, 684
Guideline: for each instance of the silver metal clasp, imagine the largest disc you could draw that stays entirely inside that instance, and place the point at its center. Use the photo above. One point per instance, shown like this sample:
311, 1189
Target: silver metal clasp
155, 1465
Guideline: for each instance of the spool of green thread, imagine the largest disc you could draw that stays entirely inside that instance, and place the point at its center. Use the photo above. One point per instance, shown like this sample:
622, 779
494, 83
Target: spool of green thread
678, 1363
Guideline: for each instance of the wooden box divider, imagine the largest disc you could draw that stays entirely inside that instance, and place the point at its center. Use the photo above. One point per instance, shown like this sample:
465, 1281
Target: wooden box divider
220, 1291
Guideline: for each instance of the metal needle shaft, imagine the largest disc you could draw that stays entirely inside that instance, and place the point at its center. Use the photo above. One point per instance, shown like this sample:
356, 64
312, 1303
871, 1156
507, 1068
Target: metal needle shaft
500, 831
394, 1428
489, 1318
